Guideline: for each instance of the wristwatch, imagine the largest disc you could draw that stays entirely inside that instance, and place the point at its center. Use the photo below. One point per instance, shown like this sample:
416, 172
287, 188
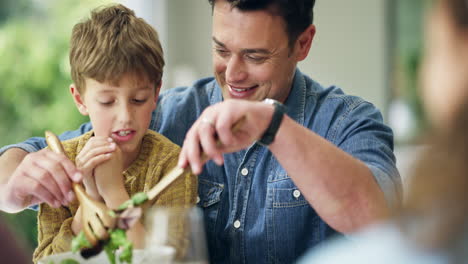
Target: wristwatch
270, 133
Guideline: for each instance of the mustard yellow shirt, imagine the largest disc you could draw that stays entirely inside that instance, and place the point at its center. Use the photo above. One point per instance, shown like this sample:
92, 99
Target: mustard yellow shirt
158, 155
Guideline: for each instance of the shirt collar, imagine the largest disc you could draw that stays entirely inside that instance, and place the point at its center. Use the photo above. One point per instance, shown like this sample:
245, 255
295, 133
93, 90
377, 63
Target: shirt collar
216, 93
297, 98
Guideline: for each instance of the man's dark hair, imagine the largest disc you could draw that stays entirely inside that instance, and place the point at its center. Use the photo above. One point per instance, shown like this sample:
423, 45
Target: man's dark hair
297, 14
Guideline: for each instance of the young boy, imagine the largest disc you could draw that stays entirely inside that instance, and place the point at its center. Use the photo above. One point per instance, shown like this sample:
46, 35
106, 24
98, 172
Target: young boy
116, 66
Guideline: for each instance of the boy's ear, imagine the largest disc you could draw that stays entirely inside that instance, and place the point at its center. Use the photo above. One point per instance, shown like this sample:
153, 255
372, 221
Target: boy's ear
78, 100
156, 93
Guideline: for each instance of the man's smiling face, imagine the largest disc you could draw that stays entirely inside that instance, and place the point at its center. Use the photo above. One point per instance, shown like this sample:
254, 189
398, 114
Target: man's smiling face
251, 56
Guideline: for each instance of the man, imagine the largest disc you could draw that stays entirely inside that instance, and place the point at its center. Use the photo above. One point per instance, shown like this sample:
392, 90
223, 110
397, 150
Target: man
324, 164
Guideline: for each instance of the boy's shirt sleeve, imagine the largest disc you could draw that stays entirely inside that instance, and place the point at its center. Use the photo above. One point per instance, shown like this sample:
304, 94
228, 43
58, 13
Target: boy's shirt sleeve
37, 143
54, 231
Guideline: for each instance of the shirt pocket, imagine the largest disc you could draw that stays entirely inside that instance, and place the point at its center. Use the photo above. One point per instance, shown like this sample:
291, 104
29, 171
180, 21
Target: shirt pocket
210, 197
292, 225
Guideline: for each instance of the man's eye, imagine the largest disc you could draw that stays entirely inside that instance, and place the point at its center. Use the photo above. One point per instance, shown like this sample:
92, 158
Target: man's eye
222, 52
256, 59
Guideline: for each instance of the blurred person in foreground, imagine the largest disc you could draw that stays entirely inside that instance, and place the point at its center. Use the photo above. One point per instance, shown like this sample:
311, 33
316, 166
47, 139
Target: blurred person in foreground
11, 249
432, 225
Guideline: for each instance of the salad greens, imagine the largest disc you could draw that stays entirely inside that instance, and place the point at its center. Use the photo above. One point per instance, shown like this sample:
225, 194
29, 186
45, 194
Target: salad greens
118, 239
69, 261
80, 242
117, 236
137, 199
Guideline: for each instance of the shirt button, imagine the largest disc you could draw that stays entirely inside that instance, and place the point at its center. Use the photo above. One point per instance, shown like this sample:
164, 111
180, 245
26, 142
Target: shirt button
296, 193
237, 224
244, 171
198, 199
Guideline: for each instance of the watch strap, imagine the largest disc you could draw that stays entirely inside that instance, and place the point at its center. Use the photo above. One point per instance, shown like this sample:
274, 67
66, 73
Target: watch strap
278, 114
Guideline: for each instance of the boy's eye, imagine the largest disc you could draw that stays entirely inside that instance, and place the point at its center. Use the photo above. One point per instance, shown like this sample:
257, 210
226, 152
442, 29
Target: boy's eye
139, 101
106, 102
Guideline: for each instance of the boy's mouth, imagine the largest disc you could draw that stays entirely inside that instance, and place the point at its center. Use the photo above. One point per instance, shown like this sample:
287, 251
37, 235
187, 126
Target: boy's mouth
123, 135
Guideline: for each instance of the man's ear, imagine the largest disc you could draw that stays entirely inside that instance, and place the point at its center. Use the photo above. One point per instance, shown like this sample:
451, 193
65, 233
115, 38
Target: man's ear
304, 42
78, 100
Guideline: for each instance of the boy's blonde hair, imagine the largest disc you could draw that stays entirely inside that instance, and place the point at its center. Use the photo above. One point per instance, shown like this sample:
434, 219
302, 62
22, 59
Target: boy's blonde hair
114, 42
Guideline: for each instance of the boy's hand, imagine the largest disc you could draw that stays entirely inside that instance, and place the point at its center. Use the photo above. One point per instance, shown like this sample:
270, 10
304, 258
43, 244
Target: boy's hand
96, 151
42, 176
109, 180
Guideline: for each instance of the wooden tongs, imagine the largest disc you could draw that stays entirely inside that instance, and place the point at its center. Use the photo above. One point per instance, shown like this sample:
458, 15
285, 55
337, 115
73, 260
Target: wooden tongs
95, 215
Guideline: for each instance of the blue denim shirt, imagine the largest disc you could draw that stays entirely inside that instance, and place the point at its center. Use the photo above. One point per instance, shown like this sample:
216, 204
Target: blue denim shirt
253, 211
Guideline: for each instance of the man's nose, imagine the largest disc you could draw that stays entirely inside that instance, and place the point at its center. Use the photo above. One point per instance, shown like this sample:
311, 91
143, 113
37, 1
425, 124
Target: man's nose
235, 70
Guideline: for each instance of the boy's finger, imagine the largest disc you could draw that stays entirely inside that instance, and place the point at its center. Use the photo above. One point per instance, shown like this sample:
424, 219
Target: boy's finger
83, 158
92, 163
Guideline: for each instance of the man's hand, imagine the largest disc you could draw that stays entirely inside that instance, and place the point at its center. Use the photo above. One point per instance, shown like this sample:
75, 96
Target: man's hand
215, 123
42, 176
97, 151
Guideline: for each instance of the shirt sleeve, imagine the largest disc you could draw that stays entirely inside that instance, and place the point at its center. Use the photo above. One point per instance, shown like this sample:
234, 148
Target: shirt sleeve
361, 132
54, 231
37, 143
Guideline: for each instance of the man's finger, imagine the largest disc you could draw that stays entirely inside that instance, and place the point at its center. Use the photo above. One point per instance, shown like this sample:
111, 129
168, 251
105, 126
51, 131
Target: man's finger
192, 151
41, 194
59, 175
46, 180
67, 165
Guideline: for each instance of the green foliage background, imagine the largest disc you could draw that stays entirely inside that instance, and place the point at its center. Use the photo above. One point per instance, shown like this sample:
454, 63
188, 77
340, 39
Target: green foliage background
34, 77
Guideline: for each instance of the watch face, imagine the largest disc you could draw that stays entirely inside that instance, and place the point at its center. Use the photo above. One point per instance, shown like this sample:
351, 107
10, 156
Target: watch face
270, 101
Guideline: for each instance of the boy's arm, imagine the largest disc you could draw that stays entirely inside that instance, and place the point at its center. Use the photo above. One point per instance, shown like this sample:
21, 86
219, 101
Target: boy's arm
54, 231
28, 179
111, 187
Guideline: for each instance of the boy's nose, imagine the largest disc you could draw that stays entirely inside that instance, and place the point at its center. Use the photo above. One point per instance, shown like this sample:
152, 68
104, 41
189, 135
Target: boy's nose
125, 114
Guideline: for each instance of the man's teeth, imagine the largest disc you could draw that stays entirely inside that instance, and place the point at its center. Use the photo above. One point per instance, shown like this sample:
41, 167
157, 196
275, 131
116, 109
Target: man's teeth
124, 133
240, 90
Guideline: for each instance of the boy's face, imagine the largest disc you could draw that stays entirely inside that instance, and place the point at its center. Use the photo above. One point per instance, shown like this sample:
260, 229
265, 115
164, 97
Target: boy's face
122, 112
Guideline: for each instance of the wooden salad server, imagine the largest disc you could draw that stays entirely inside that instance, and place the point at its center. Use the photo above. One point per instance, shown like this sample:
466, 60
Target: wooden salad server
95, 215
175, 173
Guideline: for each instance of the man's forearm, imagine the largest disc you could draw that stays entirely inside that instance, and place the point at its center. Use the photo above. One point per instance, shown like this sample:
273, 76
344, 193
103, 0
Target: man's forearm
9, 161
339, 187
